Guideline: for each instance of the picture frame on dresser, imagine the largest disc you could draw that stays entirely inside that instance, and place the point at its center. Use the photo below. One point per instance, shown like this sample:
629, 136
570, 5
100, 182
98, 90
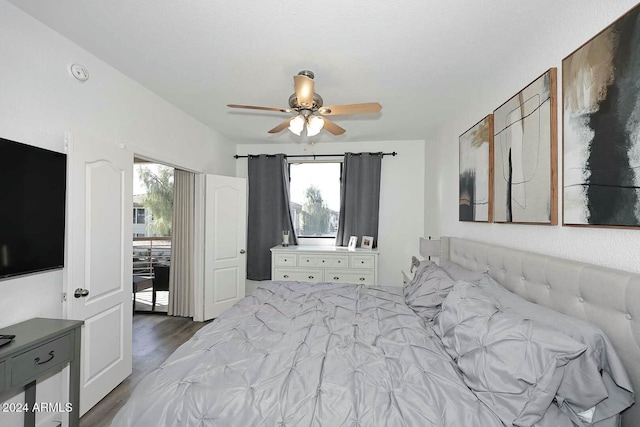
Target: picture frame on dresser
367, 242
353, 242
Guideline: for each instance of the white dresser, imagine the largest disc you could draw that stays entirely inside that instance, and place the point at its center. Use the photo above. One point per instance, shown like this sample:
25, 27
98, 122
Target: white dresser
324, 264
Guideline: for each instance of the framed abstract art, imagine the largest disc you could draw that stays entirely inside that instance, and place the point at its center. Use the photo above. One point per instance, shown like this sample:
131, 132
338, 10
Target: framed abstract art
525, 155
475, 172
601, 128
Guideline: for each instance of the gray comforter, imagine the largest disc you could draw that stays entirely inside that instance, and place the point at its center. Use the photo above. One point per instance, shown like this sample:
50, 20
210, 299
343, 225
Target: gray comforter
299, 354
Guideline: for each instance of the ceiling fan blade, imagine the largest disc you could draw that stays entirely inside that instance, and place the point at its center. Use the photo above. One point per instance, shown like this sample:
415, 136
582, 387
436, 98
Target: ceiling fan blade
334, 110
304, 90
282, 126
332, 127
253, 107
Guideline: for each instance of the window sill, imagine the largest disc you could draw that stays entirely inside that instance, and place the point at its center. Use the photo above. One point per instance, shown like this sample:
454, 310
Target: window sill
315, 241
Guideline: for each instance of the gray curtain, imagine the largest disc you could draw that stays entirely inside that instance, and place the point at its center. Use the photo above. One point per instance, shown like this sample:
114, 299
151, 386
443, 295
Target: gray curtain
359, 197
269, 212
181, 279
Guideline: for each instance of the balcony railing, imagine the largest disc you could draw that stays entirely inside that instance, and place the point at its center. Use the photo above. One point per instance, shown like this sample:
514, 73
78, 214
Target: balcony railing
150, 251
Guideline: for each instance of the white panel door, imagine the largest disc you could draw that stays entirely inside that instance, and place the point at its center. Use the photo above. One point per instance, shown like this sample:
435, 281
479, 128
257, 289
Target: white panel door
225, 242
99, 261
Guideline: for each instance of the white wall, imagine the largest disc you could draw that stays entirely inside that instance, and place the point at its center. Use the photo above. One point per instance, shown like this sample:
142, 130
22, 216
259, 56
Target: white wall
39, 101
401, 195
514, 70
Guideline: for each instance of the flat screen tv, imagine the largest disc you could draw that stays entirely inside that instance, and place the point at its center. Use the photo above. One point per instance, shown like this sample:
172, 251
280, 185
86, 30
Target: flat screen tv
32, 209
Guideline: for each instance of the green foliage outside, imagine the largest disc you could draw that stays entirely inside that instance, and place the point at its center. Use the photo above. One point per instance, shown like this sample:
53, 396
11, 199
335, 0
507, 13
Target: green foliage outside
159, 199
315, 214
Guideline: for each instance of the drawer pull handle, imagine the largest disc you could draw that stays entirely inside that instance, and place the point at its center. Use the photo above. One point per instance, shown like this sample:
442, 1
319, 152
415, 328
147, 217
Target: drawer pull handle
322, 260
286, 276
361, 262
285, 260
38, 362
362, 279
307, 260
338, 261
310, 277
336, 278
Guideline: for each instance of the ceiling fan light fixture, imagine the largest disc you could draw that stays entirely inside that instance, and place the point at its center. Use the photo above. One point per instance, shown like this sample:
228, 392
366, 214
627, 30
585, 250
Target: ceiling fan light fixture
310, 111
314, 125
296, 125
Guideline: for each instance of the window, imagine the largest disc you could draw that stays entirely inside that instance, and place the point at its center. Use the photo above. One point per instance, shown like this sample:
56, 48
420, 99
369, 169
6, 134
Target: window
314, 195
138, 215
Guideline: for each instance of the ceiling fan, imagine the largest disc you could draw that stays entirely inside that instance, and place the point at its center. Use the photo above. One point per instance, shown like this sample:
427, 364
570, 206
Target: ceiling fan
309, 109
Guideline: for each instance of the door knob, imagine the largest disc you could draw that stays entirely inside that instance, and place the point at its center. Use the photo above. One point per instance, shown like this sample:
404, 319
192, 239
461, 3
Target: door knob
242, 251
81, 293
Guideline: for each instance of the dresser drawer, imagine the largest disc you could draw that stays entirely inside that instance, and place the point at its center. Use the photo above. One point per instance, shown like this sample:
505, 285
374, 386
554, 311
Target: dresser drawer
324, 261
298, 275
341, 276
363, 261
2, 379
30, 364
285, 260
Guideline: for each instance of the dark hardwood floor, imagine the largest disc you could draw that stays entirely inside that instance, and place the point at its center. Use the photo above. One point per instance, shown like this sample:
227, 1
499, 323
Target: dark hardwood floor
155, 337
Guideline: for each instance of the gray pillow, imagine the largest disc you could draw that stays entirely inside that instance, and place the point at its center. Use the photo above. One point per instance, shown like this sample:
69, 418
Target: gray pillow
554, 417
514, 365
427, 290
597, 378
458, 272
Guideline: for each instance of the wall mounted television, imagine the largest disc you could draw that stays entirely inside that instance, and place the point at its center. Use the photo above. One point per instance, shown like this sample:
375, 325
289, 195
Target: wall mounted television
32, 209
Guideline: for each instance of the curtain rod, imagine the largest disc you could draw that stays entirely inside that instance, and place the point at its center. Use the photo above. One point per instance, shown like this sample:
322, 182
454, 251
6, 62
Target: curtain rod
311, 155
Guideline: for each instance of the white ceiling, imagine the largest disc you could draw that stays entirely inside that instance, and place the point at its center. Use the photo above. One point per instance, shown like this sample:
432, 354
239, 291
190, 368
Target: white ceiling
419, 58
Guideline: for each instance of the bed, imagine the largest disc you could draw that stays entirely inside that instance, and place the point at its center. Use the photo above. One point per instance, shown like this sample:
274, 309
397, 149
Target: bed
606, 298
349, 355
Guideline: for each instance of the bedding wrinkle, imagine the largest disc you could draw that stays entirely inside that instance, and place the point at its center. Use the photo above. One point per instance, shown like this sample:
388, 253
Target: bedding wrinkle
301, 354
318, 397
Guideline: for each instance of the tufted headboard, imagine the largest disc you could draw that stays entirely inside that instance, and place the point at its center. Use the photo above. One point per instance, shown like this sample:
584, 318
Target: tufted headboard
607, 298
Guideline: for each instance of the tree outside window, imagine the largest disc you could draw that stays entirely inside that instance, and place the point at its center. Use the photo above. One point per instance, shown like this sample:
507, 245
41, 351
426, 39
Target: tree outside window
315, 214
315, 198
158, 198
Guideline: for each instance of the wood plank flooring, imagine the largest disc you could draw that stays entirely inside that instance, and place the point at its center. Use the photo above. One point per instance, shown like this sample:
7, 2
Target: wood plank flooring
155, 337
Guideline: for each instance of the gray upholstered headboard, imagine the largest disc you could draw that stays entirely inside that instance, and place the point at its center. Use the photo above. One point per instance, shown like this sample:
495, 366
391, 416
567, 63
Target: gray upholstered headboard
607, 298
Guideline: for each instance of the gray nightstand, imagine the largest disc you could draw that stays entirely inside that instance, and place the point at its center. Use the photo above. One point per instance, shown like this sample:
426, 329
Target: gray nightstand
41, 346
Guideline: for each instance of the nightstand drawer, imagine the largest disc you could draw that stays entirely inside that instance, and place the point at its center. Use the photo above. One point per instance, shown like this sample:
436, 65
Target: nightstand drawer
324, 261
362, 277
298, 275
285, 260
2, 381
363, 261
30, 364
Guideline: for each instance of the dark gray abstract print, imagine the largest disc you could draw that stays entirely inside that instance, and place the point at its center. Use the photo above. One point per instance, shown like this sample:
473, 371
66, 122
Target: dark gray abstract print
601, 106
474, 175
